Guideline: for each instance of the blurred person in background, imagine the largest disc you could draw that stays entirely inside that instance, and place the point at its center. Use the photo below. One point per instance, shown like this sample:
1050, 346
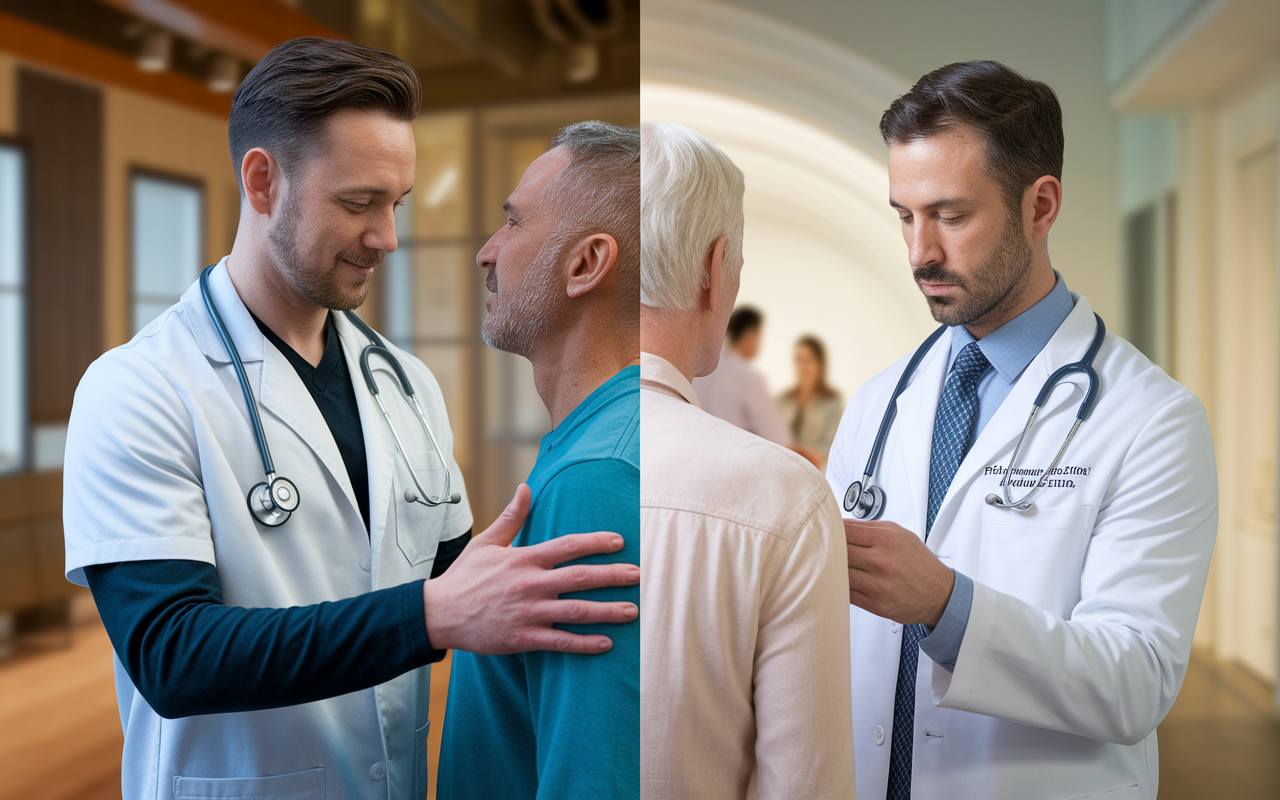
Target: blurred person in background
265, 657
735, 392
811, 408
564, 283
745, 685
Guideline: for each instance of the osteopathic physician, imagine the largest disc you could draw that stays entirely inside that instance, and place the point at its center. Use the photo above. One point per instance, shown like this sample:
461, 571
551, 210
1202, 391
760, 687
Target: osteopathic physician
279, 646
1006, 646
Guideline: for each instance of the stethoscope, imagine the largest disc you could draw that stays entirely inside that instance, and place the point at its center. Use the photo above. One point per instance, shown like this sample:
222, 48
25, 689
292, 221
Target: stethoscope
868, 502
272, 501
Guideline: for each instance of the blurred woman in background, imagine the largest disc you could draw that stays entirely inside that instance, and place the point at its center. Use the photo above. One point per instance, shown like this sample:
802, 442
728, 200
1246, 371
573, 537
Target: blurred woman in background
811, 408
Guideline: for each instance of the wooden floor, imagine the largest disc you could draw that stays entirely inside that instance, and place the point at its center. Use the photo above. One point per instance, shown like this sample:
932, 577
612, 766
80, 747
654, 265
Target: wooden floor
1221, 740
60, 731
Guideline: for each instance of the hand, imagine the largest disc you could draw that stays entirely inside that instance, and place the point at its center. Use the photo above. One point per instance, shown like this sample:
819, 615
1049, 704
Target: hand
499, 599
892, 574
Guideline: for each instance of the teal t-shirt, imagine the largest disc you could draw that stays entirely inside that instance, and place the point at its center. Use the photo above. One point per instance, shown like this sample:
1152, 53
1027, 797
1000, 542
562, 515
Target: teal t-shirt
557, 725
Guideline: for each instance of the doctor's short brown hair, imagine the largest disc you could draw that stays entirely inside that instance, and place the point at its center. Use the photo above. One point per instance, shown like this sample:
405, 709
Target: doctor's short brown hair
283, 101
1019, 119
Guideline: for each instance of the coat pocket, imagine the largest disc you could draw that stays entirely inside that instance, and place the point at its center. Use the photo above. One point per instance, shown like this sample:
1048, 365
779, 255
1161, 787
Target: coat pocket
418, 526
306, 785
1035, 556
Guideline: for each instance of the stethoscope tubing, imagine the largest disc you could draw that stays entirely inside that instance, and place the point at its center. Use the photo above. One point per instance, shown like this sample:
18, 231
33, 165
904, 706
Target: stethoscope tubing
891, 412
267, 465
869, 507
277, 497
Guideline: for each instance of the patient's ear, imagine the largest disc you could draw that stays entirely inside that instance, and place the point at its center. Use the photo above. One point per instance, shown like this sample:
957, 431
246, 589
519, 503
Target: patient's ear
590, 263
714, 267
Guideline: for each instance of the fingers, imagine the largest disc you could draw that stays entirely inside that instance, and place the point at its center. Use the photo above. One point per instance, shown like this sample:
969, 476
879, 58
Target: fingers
863, 559
508, 524
573, 546
859, 533
582, 577
563, 642
586, 612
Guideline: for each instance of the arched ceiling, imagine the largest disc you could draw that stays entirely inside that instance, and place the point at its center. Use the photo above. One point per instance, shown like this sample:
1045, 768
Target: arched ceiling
799, 115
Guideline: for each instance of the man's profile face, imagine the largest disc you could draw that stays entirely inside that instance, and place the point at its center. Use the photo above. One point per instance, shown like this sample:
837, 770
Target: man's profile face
525, 289
967, 252
336, 218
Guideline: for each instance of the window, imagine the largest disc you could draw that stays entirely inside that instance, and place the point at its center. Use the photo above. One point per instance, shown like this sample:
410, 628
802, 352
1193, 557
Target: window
13, 327
167, 245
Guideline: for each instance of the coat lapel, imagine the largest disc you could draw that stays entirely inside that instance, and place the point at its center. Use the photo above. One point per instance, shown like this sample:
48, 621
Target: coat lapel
277, 387
917, 407
380, 450
282, 394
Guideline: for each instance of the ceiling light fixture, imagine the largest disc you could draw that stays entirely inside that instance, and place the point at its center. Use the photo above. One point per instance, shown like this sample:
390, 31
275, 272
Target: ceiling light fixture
157, 46
224, 73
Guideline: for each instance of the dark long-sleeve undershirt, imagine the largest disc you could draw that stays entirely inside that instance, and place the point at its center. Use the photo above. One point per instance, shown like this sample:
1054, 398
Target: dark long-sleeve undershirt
189, 654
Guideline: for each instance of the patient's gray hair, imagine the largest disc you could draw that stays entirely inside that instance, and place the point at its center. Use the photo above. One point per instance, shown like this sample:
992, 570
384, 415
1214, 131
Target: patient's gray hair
599, 192
690, 196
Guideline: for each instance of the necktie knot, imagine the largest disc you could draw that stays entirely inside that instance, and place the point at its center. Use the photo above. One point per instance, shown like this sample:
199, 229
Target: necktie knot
970, 364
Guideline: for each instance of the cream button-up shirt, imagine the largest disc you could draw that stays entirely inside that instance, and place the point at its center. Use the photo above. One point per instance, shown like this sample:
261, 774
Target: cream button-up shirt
745, 667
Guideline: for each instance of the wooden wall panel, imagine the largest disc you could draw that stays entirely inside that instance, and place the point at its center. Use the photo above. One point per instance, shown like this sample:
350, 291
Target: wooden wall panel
61, 123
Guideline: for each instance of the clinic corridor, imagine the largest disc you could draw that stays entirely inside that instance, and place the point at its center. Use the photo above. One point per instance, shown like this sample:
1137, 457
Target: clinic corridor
60, 731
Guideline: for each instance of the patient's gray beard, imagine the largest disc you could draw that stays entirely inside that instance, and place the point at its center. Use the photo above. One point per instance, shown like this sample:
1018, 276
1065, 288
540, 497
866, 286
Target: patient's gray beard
515, 323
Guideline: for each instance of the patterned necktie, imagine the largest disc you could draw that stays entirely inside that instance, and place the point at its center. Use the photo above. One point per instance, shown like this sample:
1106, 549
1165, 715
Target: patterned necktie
952, 435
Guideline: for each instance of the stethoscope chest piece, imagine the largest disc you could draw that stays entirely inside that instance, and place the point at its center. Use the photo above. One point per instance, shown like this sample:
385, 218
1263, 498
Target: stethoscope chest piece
273, 501
864, 503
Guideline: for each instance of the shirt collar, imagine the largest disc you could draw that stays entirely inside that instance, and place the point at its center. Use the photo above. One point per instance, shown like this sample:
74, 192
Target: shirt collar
657, 370
589, 405
1011, 347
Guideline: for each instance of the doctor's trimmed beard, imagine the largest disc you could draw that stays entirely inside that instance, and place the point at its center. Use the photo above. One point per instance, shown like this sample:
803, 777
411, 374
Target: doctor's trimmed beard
989, 286
322, 287
515, 323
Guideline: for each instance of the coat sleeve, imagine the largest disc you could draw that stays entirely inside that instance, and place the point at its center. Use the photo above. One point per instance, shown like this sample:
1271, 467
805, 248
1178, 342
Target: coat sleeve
132, 483
804, 734
1112, 670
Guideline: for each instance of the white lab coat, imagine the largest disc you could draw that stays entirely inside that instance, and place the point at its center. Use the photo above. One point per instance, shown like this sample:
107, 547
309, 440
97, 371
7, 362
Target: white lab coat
1084, 606
160, 454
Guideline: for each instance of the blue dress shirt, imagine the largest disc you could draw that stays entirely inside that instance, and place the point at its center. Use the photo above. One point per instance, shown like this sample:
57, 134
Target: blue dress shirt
1010, 349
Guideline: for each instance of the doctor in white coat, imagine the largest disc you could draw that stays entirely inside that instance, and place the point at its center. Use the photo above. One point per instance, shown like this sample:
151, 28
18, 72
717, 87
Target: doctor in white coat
1000, 652
292, 661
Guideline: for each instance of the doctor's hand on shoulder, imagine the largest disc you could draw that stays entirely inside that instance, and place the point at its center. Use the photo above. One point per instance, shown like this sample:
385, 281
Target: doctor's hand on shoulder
892, 574
498, 599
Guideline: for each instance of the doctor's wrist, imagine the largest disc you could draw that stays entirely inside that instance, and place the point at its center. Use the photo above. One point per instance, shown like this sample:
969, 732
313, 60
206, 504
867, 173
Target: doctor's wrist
940, 597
